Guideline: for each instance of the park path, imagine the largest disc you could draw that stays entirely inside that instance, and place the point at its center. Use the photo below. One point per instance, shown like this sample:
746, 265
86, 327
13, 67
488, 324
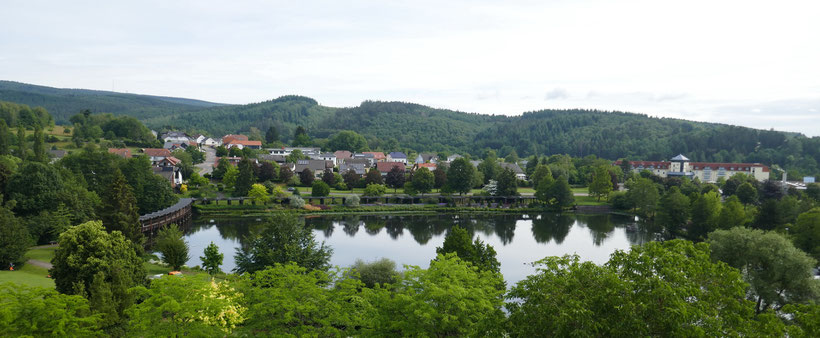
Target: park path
210, 158
41, 264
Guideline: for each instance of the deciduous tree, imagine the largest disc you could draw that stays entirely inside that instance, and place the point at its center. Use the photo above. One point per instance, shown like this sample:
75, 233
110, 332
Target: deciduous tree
283, 240
212, 259
171, 244
460, 176
395, 178
673, 212
423, 180
601, 184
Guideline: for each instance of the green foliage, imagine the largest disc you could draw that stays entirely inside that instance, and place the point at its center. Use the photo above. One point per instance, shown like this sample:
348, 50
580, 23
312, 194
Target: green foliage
373, 176
152, 192
38, 147
460, 176
395, 177
272, 135
557, 196
601, 184
283, 240
231, 176
40, 312
118, 211
352, 201
212, 259
100, 266
440, 176
489, 167
507, 184
732, 214
306, 177
347, 140
287, 299
673, 212
329, 177
381, 272
777, 272
246, 177
259, 193
296, 201
806, 232
5, 139
129, 130
14, 239
21, 114
705, 215
423, 180
746, 193
477, 253
320, 189
171, 244
643, 196
185, 306
451, 298
540, 172
374, 190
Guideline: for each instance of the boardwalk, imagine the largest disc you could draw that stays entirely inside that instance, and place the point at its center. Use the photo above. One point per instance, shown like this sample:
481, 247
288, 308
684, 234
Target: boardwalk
179, 214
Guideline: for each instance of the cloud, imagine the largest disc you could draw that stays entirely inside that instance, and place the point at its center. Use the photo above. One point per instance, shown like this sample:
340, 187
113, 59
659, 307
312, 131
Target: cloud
557, 94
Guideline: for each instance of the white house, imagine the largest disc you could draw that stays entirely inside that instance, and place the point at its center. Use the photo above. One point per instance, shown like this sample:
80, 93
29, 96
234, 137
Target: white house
397, 156
327, 157
211, 142
175, 137
426, 158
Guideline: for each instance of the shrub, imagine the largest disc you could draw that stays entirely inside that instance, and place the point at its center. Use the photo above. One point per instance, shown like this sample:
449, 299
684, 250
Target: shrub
297, 202
352, 201
375, 189
382, 271
320, 189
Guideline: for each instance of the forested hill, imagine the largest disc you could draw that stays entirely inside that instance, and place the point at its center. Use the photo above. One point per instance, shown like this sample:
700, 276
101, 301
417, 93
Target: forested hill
392, 126
64, 103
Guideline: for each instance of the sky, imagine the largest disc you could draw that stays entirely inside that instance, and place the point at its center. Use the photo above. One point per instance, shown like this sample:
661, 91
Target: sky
750, 63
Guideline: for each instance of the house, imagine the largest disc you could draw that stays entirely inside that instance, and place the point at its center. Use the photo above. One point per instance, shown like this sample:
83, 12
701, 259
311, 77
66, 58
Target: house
56, 155
342, 155
172, 174
233, 137
174, 146
285, 151
364, 156
327, 157
318, 167
358, 168
453, 157
156, 154
386, 167
367, 163
426, 158
681, 166
278, 159
121, 152
211, 142
242, 144
169, 161
198, 138
175, 137
378, 156
516, 169
429, 166
397, 156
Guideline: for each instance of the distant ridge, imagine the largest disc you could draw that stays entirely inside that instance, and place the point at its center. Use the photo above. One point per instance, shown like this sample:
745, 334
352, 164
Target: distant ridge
63, 103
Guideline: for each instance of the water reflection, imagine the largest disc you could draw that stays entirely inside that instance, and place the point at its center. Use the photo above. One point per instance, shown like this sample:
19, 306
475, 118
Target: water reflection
411, 239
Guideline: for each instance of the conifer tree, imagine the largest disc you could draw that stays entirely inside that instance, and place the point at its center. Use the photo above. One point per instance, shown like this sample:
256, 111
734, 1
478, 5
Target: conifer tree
119, 209
4, 138
246, 177
21, 142
39, 146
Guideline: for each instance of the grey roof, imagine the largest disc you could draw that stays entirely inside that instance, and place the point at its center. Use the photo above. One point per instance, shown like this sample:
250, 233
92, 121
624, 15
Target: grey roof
359, 155
680, 157
272, 158
313, 165
57, 153
397, 154
426, 157
512, 166
358, 168
183, 202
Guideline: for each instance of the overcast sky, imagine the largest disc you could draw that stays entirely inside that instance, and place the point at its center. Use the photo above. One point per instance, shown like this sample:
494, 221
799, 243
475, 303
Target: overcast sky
741, 62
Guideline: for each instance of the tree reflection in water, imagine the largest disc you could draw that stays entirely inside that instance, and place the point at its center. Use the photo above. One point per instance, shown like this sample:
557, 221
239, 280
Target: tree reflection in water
551, 227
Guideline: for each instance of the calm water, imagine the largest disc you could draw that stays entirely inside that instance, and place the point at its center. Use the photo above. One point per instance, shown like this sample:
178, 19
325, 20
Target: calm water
517, 239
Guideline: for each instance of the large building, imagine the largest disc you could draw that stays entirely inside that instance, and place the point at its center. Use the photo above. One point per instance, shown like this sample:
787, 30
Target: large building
681, 166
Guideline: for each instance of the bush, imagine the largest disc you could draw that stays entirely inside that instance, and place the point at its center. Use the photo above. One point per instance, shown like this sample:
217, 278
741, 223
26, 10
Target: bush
619, 200
297, 202
296, 192
341, 186
320, 189
382, 271
375, 189
352, 201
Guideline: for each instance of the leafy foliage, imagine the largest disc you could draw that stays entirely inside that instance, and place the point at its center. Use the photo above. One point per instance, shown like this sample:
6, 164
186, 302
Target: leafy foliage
283, 240
42, 312
172, 246
14, 239
382, 271
212, 259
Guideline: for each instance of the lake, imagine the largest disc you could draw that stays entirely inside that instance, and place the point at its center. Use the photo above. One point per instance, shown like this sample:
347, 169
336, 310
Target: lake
412, 239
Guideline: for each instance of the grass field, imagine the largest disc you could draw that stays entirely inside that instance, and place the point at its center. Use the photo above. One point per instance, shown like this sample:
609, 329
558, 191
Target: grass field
28, 275
42, 254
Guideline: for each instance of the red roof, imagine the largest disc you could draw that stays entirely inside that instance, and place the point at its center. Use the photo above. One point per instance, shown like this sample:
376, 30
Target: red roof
172, 160
157, 152
377, 155
343, 154
387, 166
429, 166
246, 143
123, 152
228, 138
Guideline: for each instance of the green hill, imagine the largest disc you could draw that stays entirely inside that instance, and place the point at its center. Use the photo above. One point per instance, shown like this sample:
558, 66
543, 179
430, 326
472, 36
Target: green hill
64, 103
404, 126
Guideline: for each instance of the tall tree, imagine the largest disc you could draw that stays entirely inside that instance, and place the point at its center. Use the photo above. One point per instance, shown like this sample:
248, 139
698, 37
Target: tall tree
477, 253
118, 211
100, 266
643, 196
559, 195
489, 166
283, 240
39, 145
705, 215
347, 140
373, 177
268, 171
4, 138
673, 212
440, 177
395, 178
746, 193
601, 184
806, 232
306, 177
272, 135
351, 178
246, 177
14, 239
732, 214
423, 180
778, 273
507, 184
541, 171
460, 176
21, 142
171, 244
301, 138
285, 174
328, 177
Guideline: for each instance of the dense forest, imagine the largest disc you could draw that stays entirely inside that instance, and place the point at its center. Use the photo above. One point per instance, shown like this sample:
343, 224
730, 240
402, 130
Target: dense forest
64, 103
391, 126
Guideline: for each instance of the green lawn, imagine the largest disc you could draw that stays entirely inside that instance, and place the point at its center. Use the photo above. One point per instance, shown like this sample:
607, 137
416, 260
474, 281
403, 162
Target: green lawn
42, 254
28, 275
589, 200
